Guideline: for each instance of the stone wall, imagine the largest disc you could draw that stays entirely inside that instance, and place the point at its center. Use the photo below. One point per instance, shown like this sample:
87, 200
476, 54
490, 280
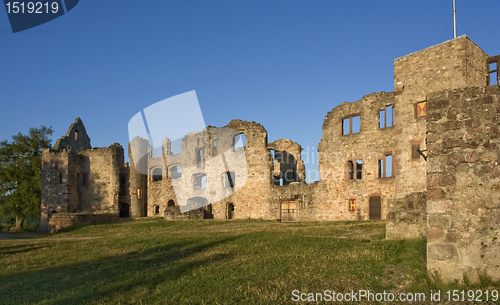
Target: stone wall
63, 220
174, 213
368, 146
76, 138
463, 183
406, 217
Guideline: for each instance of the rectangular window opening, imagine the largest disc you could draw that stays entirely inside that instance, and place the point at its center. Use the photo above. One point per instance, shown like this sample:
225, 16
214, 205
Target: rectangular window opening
359, 169
386, 117
493, 78
199, 158
346, 126
350, 170
356, 124
385, 167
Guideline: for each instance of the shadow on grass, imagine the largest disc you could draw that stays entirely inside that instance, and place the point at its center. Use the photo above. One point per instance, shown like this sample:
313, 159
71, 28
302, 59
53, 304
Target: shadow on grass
104, 279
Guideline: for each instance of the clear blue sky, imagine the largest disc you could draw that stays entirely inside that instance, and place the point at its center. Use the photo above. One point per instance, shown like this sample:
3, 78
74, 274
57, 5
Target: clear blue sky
283, 64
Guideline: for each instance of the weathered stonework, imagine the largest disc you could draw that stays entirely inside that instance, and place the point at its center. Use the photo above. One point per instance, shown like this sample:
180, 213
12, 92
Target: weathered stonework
463, 179
372, 161
86, 180
407, 217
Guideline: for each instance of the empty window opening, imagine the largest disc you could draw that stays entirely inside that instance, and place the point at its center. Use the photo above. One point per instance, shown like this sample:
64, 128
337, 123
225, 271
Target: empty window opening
355, 170
157, 152
352, 205
385, 167
351, 125
386, 117
493, 73
494, 78
170, 203
230, 211
85, 179
199, 158
346, 126
60, 178
156, 210
240, 140
350, 170
139, 193
157, 174
281, 181
200, 181
215, 147
356, 124
176, 147
359, 169
175, 172
420, 109
229, 179
76, 135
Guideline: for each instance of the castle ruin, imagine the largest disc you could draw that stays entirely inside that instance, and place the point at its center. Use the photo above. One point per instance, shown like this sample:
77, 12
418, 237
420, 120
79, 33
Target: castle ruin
424, 157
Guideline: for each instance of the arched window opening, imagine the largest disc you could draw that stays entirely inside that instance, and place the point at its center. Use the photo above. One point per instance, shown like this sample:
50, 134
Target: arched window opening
240, 140
200, 181
175, 172
171, 203
156, 209
157, 174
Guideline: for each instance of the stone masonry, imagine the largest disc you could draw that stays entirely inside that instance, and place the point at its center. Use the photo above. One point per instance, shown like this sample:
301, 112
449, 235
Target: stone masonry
423, 157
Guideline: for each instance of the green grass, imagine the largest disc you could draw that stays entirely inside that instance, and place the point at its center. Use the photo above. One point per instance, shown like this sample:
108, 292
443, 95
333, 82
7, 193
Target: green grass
154, 261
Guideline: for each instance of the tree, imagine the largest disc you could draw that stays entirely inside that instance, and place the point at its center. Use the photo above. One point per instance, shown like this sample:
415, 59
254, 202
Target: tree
20, 173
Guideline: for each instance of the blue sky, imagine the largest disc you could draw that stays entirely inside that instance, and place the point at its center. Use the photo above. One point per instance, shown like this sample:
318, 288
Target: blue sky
283, 64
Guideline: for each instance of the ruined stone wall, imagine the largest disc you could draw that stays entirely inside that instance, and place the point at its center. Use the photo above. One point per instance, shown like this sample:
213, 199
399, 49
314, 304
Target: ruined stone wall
99, 179
55, 190
406, 217
174, 213
138, 177
372, 143
288, 164
63, 220
463, 183
456, 63
76, 138
252, 200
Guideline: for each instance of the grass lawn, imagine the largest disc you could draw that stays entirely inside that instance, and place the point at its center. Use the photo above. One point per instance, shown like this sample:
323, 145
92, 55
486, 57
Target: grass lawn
153, 261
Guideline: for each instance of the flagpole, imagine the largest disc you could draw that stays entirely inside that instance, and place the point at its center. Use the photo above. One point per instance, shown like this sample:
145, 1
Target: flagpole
454, 21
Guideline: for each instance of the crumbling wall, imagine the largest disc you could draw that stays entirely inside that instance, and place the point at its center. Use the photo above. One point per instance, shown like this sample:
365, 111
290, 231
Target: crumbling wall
335, 151
287, 165
406, 217
99, 179
76, 139
174, 213
63, 220
463, 183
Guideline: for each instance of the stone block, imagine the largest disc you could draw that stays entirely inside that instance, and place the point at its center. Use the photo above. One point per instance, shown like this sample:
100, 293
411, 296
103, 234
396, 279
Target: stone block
442, 252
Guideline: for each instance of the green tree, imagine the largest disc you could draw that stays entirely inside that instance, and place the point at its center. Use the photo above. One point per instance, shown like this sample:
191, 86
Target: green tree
20, 173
